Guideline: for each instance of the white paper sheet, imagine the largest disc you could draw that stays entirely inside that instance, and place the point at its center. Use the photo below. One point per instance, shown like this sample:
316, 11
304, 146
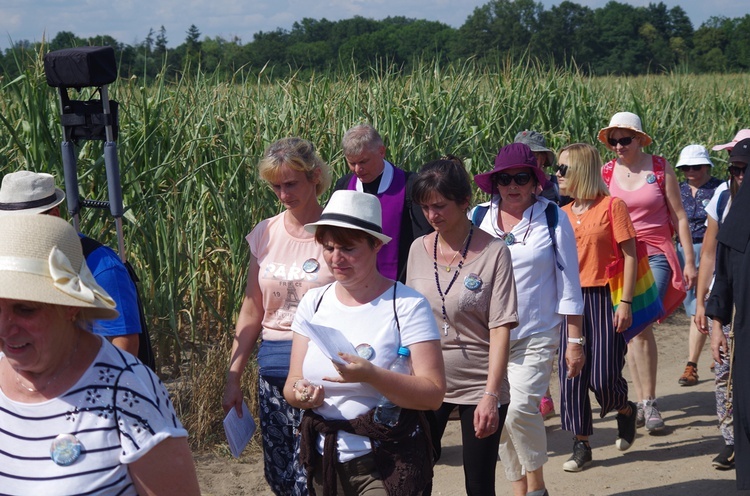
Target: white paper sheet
330, 341
239, 430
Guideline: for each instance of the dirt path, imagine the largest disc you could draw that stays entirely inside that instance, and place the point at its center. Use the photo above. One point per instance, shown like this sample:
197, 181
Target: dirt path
677, 462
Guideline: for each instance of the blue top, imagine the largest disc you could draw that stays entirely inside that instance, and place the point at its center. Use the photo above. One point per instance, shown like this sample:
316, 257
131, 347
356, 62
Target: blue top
695, 207
111, 274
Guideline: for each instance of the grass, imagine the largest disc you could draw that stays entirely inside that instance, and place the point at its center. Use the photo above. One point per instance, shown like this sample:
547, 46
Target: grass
188, 149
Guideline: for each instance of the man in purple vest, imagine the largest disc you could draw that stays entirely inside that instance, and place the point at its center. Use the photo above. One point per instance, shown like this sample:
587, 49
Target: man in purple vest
403, 220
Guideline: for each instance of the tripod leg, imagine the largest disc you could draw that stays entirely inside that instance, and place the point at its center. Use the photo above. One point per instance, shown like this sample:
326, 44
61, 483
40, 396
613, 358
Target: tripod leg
71, 181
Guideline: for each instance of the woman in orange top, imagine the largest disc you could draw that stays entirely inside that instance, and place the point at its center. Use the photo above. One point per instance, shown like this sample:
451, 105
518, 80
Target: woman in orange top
597, 219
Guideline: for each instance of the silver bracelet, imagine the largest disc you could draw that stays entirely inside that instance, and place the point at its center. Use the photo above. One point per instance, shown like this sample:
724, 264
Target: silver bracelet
494, 395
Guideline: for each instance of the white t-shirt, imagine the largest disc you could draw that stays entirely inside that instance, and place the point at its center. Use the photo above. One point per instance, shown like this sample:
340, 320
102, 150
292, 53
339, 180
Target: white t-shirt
538, 280
116, 390
374, 324
712, 209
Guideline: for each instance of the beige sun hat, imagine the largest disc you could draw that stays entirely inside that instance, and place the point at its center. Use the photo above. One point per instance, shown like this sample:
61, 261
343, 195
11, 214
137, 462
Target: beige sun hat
29, 193
41, 260
625, 120
352, 210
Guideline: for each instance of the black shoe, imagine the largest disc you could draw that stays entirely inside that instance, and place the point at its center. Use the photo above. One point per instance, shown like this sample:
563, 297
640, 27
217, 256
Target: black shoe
580, 459
725, 459
626, 428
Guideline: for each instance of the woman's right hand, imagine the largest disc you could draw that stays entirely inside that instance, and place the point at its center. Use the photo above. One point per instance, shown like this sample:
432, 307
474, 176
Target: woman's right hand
232, 397
701, 322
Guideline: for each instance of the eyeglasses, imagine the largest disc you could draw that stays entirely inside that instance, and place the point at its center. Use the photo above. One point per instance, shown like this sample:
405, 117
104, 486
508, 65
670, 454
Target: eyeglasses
622, 141
690, 167
737, 171
521, 179
562, 169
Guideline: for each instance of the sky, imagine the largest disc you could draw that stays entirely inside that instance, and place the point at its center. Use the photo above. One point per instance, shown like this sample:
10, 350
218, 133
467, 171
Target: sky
129, 21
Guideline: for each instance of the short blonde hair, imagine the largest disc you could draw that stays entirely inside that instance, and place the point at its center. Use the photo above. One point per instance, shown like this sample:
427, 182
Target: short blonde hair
297, 154
584, 177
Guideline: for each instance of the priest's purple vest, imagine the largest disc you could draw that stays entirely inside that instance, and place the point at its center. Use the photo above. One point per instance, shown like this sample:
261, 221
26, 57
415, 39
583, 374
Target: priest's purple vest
392, 204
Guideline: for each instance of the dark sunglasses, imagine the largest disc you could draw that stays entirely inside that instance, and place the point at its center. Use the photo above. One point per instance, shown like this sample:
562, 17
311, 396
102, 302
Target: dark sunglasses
521, 179
562, 169
691, 167
622, 141
736, 171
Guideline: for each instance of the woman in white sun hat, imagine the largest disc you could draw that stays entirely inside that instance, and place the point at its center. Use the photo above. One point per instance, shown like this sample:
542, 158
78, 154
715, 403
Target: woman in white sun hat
344, 449
77, 414
648, 184
696, 192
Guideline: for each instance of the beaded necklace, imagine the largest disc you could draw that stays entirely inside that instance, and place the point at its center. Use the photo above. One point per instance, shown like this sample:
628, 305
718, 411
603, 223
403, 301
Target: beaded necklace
455, 274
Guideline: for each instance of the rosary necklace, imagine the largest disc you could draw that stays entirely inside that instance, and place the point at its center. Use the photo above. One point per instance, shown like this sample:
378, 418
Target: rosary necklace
32, 389
448, 267
453, 279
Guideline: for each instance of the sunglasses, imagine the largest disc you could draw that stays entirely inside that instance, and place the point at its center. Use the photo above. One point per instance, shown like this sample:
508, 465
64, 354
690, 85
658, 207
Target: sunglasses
521, 179
691, 167
562, 169
622, 141
737, 171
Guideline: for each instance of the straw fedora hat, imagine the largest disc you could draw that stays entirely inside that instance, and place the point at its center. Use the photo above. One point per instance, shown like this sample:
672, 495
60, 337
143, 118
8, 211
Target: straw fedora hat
352, 210
625, 120
41, 260
29, 192
509, 157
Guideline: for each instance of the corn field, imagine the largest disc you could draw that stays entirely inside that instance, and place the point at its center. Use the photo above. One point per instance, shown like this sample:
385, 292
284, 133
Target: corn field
188, 149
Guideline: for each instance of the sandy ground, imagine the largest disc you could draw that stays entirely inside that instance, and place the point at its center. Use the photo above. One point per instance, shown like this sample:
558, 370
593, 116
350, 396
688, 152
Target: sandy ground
677, 462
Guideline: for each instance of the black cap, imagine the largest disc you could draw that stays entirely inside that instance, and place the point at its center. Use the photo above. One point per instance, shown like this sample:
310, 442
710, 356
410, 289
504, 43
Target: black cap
741, 152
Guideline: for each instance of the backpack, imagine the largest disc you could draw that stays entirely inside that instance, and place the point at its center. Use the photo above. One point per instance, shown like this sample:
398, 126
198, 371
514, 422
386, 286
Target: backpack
145, 349
551, 212
721, 205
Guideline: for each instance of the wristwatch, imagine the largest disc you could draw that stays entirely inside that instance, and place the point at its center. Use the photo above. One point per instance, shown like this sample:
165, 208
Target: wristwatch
581, 340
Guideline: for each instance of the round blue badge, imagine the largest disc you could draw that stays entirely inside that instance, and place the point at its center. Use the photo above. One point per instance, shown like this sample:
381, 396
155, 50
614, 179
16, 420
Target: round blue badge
65, 449
310, 266
509, 239
472, 282
651, 179
365, 351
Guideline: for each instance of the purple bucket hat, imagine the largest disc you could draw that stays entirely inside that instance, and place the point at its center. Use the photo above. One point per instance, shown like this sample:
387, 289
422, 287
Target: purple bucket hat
510, 156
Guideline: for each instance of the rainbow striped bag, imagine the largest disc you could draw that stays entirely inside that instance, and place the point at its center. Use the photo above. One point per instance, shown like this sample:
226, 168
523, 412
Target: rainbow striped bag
647, 306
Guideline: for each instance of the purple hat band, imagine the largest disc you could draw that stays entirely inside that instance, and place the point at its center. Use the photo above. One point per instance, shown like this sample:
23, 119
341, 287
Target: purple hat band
509, 157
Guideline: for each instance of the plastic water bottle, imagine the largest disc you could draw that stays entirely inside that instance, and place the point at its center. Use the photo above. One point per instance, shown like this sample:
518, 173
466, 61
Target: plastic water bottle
386, 412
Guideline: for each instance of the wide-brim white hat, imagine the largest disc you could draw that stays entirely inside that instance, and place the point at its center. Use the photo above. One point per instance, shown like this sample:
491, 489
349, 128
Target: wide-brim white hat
694, 155
741, 134
625, 120
41, 260
29, 193
352, 210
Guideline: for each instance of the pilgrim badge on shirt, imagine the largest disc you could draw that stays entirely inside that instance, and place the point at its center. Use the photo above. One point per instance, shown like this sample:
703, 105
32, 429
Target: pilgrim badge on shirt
365, 351
651, 179
65, 449
473, 282
310, 266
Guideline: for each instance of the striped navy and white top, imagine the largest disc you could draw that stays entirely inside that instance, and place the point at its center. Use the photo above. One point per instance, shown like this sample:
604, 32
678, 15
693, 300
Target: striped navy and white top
118, 410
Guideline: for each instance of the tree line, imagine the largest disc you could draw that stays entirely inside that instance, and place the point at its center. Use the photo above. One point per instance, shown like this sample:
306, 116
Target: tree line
617, 39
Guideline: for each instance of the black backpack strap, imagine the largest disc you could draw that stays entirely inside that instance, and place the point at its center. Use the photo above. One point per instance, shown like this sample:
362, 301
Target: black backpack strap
551, 213
395, 314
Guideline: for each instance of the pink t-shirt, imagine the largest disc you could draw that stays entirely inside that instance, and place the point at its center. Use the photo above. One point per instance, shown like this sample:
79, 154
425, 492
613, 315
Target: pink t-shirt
282, 278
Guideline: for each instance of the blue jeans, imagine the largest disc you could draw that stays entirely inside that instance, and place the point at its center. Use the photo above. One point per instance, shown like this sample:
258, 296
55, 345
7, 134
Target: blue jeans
662, 273
689, 302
